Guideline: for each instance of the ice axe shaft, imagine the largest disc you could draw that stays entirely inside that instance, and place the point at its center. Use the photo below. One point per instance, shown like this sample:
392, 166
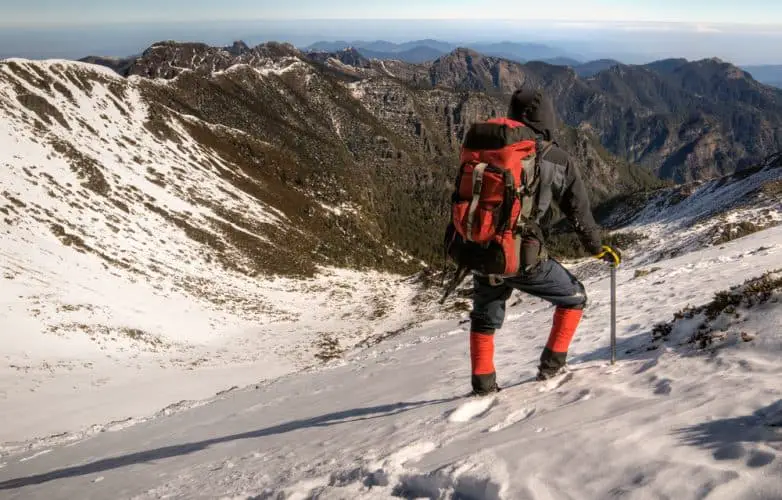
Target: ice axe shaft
613, 314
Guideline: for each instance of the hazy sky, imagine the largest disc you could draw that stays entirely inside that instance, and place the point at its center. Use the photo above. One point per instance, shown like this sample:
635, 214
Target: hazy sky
633, 31
63, 12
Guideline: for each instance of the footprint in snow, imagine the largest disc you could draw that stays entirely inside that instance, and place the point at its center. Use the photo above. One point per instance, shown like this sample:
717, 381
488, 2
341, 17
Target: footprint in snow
663, 387
410, 453
738, 451
583, 395
760, 459
513, 418
555, 383
472, 409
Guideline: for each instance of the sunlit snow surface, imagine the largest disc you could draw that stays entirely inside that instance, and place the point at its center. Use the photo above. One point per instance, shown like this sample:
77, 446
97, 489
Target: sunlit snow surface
120, 362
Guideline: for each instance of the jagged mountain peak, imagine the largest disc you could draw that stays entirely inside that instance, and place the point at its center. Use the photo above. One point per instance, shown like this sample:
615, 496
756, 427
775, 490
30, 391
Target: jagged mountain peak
725, 68
167, 44
348, 61
238, 48
277, 49
668, 63
621, 78
352, 57
168, 59
712, 67
120, 66
463, 53
464, 68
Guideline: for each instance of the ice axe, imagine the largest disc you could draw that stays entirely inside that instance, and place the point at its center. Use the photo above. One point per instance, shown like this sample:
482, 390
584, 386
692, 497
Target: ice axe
613, 314
613, 257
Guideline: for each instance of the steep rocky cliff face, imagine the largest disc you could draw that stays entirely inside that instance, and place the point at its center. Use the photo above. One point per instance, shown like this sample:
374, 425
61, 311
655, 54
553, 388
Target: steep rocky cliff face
683, 120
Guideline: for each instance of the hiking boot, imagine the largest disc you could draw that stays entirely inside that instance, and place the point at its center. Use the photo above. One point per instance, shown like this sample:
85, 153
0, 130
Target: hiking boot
484, 384
547, 374
485, 392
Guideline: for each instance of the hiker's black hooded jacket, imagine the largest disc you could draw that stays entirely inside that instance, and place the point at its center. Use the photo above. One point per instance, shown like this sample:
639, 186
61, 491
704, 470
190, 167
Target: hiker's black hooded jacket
560, 178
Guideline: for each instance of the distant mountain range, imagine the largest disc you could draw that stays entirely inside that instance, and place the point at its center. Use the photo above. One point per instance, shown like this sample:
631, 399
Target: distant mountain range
683, 120
381, 46
420, 51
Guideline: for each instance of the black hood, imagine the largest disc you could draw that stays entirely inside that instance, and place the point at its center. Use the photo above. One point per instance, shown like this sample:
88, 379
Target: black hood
534, 109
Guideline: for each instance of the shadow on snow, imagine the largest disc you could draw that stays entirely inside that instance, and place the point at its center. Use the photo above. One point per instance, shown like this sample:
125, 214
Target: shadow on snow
330, 419
726, 437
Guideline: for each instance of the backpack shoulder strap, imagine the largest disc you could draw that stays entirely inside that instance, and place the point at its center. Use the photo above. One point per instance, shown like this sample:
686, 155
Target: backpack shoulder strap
531, 180
546, 147
477, 185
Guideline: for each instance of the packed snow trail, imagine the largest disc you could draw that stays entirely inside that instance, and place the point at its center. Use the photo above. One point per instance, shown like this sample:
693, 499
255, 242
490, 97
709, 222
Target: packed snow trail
674, 422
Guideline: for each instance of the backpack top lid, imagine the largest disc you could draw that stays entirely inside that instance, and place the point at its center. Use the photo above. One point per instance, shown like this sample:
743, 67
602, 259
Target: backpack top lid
497, 133
500, 140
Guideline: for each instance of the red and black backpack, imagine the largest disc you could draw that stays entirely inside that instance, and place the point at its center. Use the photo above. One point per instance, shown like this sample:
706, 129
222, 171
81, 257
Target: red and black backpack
493, 198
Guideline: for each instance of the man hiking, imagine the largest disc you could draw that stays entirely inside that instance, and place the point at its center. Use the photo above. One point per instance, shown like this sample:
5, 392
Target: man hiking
550, 176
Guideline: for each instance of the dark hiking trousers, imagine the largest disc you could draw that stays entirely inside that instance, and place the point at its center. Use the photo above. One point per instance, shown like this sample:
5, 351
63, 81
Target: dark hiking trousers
549, 281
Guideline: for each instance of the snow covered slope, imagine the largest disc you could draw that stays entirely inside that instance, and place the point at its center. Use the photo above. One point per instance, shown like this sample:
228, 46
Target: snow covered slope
135, 256
691, 216
137, 264
673, 419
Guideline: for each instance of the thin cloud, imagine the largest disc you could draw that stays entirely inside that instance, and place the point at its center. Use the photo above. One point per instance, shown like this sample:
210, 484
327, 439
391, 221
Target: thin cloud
705, 28
624, 26
648, 27
582, 25
669, 26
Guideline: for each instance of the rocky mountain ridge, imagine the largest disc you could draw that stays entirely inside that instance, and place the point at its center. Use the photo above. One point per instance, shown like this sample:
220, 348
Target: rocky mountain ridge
683, 120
